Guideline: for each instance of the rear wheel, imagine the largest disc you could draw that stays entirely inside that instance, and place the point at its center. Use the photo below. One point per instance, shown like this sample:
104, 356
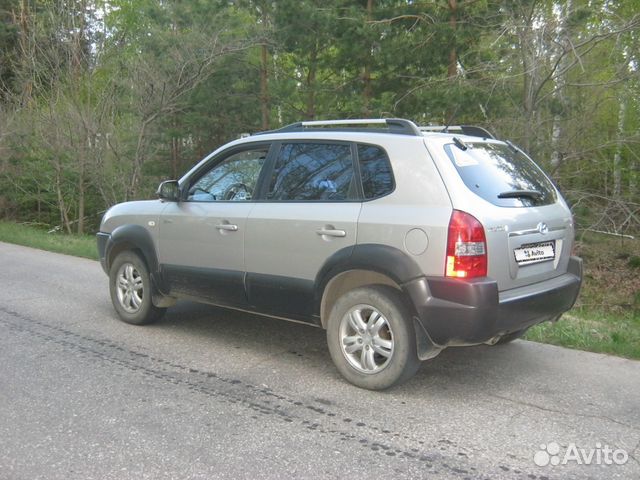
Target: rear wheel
130, 288
371, 338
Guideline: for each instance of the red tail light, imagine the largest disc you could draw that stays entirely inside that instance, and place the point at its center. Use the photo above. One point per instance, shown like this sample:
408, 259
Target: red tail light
466, 247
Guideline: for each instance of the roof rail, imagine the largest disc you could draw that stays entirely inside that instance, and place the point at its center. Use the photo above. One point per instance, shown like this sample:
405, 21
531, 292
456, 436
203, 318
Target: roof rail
470, 130
383, 125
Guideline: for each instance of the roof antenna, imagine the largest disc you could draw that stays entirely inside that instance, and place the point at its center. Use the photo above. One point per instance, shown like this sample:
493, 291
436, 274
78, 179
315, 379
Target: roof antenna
450, 120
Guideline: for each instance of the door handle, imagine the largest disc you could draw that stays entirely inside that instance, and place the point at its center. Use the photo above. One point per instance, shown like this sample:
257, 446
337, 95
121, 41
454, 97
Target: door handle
227, 226
329, 232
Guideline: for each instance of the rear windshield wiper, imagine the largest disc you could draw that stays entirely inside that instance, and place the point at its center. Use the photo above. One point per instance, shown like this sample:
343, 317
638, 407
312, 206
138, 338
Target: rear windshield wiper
534, 194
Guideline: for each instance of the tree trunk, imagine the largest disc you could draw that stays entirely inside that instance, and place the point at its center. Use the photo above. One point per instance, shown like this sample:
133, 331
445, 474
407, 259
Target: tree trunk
138, 160
367, 91
25, 49
175, 148
529, 74
527, 100
81, 195
264, 92
175, 156
39, 203
633, 179
617, 157
452, 70
556, 135
264, 68
264, 87
79, 40
274, 60
559, 94
64, 217
311, 84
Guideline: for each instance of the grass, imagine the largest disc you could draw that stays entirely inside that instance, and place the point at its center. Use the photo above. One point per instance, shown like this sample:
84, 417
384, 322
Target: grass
592, 331
31, 236
606, 318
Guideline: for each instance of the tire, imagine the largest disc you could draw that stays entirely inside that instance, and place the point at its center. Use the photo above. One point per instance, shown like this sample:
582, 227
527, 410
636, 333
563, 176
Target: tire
371, 338
510, 337
130, 288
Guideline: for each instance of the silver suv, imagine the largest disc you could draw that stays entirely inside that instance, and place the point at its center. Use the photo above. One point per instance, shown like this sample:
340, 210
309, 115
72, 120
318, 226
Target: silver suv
398, 240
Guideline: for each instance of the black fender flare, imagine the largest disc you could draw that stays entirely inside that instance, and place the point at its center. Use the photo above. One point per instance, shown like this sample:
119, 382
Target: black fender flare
383, 259
133, 237
388, 261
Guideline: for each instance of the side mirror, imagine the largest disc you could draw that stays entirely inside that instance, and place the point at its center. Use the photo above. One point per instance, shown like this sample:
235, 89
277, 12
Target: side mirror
169, 191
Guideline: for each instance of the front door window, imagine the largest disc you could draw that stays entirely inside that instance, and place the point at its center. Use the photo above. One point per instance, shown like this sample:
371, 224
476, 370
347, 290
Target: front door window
233, 179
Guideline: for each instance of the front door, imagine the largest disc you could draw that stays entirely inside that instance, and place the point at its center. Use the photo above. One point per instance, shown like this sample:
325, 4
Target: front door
201, 238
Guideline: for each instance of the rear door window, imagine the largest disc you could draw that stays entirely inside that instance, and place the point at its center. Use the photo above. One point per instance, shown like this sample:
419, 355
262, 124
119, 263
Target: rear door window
311, 172
501, 175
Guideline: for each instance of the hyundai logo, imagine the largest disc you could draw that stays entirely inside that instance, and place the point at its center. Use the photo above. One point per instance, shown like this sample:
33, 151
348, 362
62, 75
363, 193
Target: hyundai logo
542, 228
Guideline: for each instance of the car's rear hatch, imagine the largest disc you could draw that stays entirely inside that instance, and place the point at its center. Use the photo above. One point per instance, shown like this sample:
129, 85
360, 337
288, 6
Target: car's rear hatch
528, 225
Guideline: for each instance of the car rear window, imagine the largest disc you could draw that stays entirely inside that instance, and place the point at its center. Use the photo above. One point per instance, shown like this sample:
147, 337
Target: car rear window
501, 175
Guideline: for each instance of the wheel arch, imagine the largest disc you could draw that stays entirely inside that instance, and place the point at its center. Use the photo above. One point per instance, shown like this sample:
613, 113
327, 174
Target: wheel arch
358, 266
346, 281
366, 265
132, 237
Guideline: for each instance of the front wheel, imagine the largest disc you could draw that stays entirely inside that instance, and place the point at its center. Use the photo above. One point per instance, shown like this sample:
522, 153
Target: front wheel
371, 338
130, 288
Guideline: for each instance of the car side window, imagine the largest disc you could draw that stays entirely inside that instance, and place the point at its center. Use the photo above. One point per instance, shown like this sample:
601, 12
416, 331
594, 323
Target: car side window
375, 170
313, 172
233, 179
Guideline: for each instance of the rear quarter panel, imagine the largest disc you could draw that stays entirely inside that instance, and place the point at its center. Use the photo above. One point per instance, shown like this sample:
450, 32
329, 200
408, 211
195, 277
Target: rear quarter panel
414, 218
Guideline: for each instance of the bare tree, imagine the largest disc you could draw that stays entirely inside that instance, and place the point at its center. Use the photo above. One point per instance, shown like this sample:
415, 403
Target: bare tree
158, 89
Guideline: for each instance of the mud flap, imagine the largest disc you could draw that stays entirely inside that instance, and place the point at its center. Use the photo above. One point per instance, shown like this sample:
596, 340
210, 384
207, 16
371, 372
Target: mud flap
426, 349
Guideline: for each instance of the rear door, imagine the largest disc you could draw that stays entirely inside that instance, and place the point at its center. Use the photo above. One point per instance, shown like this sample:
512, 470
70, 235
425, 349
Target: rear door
309, 211
528, 225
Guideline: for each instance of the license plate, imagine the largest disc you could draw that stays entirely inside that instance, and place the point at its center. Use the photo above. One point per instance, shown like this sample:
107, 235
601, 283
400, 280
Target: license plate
535, 252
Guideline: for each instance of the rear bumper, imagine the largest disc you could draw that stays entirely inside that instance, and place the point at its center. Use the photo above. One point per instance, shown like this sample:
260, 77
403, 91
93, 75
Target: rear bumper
459, 312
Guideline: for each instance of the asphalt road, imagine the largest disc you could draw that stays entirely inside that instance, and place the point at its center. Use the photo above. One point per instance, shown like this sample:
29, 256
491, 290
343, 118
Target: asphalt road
208, 393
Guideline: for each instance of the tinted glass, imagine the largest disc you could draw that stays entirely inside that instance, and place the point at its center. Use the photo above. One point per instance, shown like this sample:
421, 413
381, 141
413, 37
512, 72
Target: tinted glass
492, 169
232, 179
377, 179
312, 172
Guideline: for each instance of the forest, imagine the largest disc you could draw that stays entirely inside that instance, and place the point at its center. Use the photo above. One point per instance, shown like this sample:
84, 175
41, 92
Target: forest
102, 99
